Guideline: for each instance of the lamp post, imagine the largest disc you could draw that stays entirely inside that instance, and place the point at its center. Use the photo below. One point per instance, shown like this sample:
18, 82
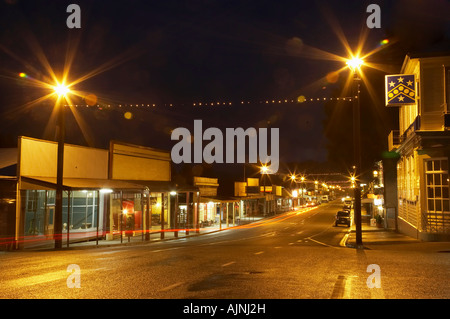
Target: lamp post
61, 90
303, 189
264, 171
354, 64
293, 180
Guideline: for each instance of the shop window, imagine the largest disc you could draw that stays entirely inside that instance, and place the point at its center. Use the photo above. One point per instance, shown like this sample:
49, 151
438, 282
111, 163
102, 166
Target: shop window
82, 209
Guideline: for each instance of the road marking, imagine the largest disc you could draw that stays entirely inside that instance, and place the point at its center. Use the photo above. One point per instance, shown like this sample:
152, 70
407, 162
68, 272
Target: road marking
291, 244
259, 253
228, 264
344, 240
319, 242
170, 287
108, 252
39, 279
165, 249
339, 288
277, 247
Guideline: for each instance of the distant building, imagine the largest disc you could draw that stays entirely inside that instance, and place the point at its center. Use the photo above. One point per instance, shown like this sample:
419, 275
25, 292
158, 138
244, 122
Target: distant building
259, 199
422, 144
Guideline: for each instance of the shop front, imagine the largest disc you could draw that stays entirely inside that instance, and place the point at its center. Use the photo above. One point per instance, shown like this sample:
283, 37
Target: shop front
86, 205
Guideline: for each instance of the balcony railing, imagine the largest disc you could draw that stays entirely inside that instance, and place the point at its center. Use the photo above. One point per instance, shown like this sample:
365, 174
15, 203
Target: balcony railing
394, 140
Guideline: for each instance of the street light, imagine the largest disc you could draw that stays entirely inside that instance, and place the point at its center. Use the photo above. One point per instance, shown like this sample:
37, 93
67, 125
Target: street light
355, 63
264, 170
303, 189
61, 90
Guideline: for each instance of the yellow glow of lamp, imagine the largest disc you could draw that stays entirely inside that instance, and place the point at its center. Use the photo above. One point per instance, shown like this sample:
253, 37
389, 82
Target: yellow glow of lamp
354, 63
61, 89
264, 169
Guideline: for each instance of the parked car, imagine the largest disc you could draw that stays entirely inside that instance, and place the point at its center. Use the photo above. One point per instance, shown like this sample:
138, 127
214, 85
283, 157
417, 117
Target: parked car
347, 207
343, 217
348, 201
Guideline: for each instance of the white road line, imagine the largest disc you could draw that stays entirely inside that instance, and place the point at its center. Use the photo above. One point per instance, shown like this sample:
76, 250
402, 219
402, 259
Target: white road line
319, 242
170, 287
259, 253
344, 240
165, 249
228, 264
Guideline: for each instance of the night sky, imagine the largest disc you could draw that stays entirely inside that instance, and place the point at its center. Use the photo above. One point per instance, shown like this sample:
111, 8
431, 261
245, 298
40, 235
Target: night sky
185, 52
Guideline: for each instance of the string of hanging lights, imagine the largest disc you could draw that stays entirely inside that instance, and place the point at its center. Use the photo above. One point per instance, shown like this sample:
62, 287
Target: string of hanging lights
299, 100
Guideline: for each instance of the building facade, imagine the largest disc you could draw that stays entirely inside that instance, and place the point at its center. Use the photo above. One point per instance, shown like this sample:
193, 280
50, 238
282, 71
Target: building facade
121, 192
422, 144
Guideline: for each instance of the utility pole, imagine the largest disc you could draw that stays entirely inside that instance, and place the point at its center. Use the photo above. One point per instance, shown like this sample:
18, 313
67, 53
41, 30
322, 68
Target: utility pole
57, 230
357, 155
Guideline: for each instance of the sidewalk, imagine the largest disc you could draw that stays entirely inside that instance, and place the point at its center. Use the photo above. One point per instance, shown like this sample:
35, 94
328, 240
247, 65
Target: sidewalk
373, 236
168, 234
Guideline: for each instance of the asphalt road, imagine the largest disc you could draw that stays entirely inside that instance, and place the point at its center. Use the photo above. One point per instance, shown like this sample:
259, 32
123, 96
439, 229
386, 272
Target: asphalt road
291, 256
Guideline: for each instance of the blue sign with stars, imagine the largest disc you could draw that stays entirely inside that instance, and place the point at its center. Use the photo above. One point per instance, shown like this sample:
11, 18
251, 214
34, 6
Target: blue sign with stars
400, 89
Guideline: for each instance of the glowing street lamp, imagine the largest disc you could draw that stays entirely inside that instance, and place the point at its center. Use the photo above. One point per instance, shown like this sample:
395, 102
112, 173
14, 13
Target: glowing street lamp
61, 90
355, 63
264, 170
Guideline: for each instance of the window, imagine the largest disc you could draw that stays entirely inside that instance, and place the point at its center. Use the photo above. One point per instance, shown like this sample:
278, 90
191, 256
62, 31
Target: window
437, 191
83, 209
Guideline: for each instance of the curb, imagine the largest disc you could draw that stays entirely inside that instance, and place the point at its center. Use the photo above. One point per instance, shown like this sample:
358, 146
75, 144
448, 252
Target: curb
122, 244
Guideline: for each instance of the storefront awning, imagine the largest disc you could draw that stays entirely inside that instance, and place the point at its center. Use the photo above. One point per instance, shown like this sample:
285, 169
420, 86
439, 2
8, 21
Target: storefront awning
164, 186
49, 183
221, 199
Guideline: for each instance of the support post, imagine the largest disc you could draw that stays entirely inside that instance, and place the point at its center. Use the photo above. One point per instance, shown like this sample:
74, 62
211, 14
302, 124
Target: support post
162, 216
68, 217
57, 234
357, 156
188, 210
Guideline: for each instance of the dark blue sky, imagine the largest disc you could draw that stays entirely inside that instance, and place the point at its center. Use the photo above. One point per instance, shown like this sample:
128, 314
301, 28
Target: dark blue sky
183, 52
